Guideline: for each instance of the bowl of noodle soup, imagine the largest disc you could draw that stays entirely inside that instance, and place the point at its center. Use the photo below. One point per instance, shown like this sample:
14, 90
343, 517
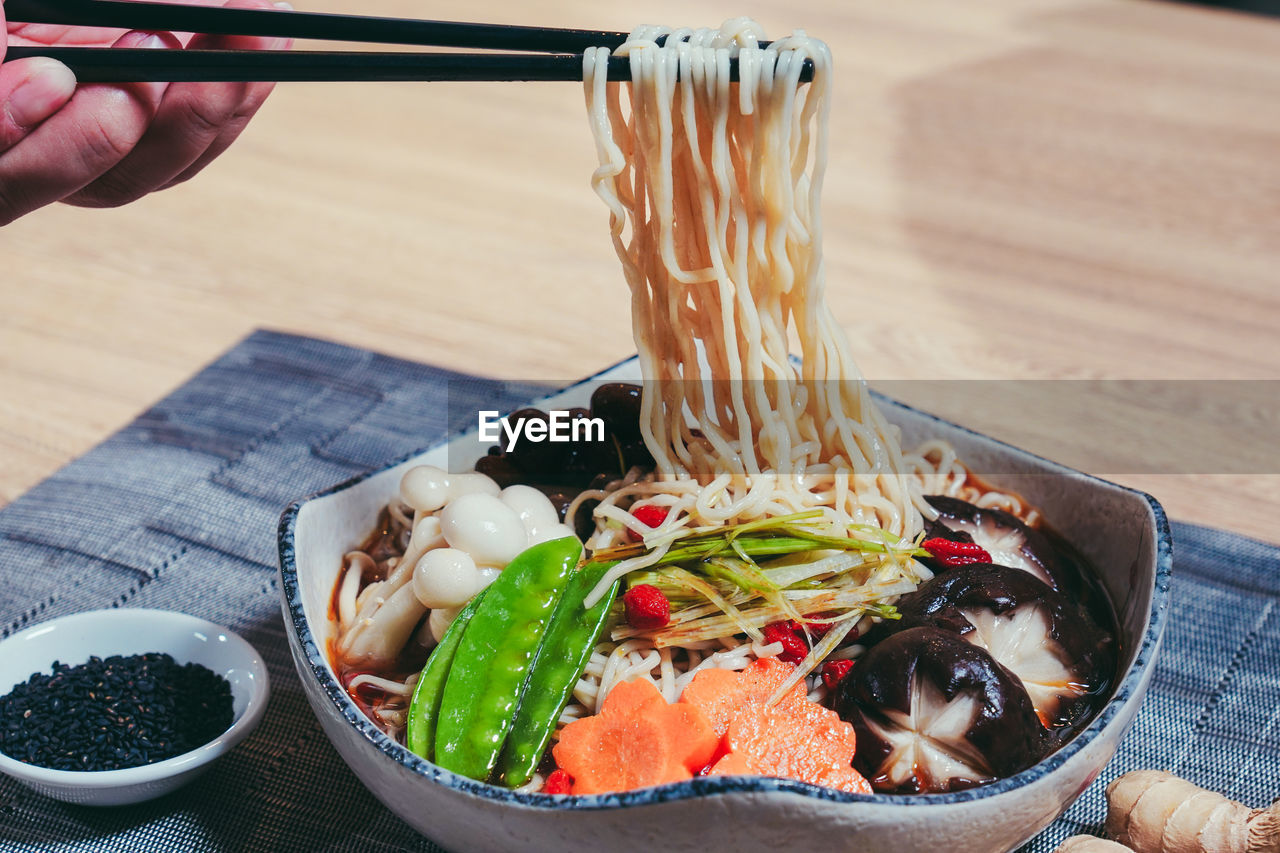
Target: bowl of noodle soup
713, 189
1122, 532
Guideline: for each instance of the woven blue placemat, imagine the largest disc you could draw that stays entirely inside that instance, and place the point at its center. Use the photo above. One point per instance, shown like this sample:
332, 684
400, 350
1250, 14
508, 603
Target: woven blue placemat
178, 511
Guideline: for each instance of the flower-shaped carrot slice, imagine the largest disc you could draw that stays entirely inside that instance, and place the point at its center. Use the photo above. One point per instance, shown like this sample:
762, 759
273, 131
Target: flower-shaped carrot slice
637, 740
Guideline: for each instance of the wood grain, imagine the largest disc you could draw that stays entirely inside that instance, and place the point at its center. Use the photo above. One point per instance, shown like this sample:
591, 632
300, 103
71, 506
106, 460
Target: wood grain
1018, 189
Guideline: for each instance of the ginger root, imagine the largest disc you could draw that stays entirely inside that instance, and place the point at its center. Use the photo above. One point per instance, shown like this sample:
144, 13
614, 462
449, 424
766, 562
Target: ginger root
1156, 812
1090, 844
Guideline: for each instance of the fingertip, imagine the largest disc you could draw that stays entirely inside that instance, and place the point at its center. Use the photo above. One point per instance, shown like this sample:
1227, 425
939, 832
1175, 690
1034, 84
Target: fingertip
151, 93
149, 40
46, 87
55, 75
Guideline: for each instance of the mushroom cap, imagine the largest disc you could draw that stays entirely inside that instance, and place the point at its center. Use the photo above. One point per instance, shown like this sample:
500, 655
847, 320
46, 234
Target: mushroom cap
1044, 638
934, 713
1008, 540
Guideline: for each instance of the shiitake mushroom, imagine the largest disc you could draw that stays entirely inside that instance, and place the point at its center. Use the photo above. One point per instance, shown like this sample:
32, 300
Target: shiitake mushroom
1008, 540
1062, 658
618, 403
934, 713
563, 469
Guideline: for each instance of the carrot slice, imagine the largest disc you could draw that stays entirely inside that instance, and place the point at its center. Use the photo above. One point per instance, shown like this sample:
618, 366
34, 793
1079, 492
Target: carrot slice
794, 739
636, 740
722, 693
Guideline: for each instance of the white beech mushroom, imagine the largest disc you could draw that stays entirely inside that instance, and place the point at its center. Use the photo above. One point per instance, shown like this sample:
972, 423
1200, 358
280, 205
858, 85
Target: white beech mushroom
376, 640
483, 532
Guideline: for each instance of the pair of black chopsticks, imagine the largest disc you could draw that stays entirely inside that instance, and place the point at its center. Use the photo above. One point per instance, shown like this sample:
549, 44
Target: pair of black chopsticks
545, 53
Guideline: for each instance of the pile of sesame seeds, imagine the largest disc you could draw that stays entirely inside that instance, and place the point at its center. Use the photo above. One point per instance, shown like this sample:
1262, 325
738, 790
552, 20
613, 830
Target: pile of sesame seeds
121, 711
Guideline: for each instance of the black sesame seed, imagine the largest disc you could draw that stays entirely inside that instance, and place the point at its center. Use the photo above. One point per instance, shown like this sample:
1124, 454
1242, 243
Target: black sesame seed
124, 711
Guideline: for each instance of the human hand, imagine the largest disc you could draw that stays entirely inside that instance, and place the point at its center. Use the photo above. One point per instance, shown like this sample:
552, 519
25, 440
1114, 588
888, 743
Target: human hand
101, 145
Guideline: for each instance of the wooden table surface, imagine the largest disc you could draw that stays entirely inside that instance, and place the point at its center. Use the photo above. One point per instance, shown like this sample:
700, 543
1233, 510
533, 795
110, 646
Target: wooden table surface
1018, 189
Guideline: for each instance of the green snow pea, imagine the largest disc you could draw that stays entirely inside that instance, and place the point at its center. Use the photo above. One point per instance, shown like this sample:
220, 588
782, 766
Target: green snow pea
489, 668
563, 655
424, 709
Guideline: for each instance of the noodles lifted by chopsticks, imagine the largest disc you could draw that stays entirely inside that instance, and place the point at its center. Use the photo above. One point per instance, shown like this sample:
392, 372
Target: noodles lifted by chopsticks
714, 194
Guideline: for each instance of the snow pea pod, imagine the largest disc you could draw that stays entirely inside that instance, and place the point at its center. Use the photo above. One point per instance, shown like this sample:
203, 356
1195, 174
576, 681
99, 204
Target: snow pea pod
563, 655
494, 655
424, 709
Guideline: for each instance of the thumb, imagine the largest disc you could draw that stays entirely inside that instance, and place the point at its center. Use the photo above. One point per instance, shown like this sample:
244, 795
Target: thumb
31, 90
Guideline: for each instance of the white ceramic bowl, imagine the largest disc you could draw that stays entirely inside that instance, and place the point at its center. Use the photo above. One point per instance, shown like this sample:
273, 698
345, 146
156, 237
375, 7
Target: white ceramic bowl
125, 631
1122, 532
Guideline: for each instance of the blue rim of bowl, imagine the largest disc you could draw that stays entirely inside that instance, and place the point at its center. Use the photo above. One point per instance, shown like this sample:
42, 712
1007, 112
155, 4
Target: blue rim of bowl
707, 786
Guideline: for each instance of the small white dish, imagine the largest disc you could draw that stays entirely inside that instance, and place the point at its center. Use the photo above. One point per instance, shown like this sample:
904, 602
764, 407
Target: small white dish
74, 639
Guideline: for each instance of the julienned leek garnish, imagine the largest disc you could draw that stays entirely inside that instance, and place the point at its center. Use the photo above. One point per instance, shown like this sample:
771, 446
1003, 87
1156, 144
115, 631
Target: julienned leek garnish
736, 579
779, 535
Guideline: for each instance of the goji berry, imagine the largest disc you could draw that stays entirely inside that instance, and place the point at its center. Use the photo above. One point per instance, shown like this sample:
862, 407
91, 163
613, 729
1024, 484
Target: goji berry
647, 607
648, 515
794, 647
818, 629
834, 670
950, 553
559, 782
